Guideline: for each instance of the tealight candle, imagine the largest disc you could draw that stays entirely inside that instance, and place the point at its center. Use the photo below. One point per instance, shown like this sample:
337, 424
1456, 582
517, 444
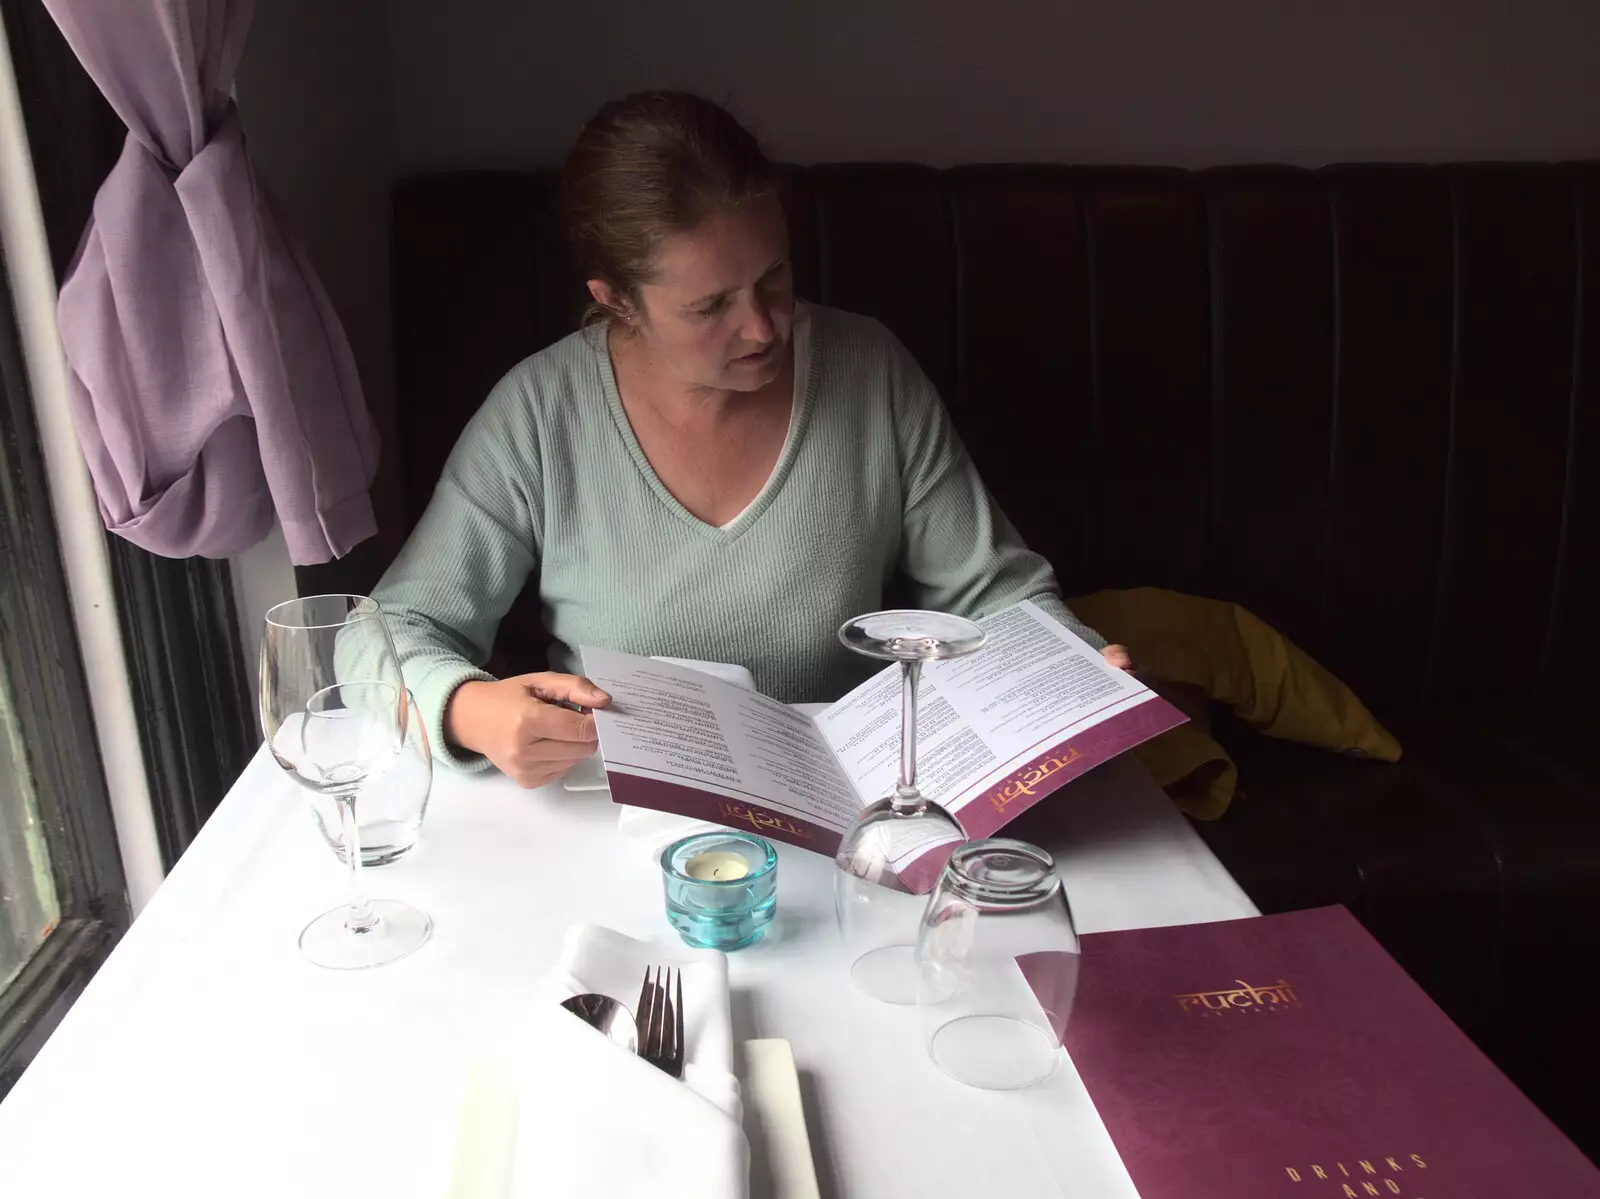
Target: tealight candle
721, 888
718, 867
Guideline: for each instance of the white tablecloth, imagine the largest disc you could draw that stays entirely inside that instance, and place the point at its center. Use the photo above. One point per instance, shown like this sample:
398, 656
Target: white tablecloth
207, 1058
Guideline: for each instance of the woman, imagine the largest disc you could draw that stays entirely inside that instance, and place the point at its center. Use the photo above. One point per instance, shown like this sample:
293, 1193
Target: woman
708, 469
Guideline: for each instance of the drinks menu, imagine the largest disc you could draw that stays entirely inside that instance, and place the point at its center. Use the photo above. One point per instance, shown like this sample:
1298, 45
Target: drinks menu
1290, 1057
997, 732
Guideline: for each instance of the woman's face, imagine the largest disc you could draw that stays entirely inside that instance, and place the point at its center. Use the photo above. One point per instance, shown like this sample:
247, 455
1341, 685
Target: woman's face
720, 307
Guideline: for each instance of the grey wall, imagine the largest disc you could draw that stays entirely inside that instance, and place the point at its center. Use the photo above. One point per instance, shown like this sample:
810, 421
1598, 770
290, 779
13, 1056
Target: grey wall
1174, 81
315, 97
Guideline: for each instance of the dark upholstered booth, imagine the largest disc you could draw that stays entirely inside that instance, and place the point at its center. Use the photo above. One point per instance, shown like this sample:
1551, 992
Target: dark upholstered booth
1363, 402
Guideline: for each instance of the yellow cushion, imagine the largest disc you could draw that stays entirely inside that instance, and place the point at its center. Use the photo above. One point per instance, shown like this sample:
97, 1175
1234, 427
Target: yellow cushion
1238, 660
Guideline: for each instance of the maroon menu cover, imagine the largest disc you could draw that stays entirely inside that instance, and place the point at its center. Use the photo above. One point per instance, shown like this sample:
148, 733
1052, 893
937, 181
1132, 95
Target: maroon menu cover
1290, 1056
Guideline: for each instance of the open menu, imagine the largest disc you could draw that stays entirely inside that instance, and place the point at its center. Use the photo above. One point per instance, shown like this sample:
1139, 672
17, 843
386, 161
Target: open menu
997, 731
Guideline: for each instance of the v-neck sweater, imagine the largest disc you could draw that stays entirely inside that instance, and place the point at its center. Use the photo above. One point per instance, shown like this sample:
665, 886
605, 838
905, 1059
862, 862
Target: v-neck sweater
800, 346
549, 479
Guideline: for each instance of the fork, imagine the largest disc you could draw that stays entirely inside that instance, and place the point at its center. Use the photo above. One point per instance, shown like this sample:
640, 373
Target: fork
660, 1020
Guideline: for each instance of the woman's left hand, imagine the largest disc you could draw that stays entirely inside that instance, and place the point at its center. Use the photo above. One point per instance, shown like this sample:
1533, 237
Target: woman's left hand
1118, 656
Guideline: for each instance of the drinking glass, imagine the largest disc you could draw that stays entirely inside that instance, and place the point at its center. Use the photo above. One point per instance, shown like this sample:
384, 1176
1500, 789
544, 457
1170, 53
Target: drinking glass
334, 713
997, 961
877, 911
389, 815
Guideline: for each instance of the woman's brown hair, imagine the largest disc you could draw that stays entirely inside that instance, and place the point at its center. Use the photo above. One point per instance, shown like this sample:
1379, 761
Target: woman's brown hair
648, 166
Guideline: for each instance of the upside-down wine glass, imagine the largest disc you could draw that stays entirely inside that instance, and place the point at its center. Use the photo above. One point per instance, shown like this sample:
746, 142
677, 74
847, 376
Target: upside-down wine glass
334, 711
998, 960
878, 913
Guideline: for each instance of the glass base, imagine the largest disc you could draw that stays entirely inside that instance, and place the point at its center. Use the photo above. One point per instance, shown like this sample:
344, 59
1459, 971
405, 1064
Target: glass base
724, 930
401, 930
887, 974
997, 1053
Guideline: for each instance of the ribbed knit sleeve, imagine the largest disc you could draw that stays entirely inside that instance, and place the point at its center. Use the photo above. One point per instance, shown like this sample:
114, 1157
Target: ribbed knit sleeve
959, 552
468, 559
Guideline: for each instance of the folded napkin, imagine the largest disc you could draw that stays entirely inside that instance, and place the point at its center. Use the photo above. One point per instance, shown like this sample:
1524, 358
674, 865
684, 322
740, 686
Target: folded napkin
591, 1119
598, 960
652, 831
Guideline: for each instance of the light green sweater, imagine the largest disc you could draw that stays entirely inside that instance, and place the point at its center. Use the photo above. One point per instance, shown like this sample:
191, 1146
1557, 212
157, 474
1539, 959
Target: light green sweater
548, 476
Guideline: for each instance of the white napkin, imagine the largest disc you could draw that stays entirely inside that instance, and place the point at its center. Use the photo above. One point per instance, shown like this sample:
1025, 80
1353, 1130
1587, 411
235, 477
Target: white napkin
594, 1120
599, 960
652, 831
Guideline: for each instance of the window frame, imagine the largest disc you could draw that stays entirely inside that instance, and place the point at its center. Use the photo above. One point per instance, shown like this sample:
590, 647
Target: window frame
192, 693
45, 675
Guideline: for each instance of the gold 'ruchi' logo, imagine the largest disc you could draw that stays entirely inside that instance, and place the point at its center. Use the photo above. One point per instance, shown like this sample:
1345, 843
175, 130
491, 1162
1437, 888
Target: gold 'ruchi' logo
1241, 996
762, 821
1027, 780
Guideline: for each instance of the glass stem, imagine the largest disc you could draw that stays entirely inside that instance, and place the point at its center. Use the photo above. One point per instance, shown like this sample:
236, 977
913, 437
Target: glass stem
906, 794
361, 918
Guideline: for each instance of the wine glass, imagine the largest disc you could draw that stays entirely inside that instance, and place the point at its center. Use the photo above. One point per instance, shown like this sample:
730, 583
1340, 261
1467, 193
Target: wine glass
334, 711
998, 960
878, 913
390, 814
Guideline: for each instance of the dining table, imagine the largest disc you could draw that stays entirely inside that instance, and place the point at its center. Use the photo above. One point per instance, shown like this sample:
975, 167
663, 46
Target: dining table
208, 1058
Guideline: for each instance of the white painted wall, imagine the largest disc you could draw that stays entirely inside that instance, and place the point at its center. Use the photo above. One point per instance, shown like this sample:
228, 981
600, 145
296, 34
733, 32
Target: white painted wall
944, 81
262, 577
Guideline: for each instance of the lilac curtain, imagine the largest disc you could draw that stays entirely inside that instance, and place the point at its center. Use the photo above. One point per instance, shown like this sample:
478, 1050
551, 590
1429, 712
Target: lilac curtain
211, 382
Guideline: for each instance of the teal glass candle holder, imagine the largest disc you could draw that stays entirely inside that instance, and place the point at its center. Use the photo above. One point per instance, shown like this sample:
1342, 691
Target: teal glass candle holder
721, 888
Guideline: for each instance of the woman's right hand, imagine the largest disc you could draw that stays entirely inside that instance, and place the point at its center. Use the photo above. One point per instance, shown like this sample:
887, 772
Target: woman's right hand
519, 726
